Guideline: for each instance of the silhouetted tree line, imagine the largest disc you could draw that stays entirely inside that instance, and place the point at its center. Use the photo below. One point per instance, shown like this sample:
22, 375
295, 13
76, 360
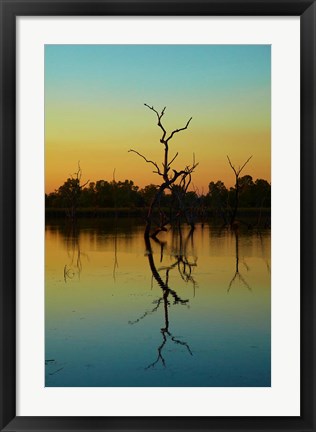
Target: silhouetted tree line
170, 202
125, 194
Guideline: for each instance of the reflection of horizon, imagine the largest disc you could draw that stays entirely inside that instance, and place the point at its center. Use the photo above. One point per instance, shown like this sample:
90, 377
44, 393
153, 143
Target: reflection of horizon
75, 233
177, 250
157, 351
184, 267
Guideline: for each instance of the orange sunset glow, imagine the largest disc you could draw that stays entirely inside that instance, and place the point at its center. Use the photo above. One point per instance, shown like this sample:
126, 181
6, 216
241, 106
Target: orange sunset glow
95, 113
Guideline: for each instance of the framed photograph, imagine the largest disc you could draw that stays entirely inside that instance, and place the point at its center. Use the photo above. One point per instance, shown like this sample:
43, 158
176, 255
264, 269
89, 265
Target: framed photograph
157, 215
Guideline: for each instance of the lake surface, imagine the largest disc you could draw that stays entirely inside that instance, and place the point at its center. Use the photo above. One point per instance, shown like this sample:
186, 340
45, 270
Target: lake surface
184, 311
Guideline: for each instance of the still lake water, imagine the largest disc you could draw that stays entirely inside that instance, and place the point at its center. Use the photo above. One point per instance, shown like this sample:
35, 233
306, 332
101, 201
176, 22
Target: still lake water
185, 311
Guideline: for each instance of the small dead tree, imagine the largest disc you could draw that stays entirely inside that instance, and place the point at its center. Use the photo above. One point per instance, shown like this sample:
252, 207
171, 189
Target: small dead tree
70, 192
237, 173
169, 176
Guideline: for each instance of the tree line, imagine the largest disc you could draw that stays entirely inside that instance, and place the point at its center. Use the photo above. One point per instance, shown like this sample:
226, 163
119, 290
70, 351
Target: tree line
170, 201
125, 194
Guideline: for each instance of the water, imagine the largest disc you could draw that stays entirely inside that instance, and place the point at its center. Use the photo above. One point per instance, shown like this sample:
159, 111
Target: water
185, 311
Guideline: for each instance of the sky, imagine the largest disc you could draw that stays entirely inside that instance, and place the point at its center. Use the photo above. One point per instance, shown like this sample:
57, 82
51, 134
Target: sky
95, 112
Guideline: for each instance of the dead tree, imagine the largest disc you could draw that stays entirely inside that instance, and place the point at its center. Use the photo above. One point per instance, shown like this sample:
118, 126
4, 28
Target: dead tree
169, 176
70, 191
179, 192
237, 173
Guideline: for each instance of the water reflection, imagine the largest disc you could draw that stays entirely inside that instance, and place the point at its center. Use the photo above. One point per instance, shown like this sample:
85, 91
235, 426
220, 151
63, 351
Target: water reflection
74, 265
182, 264
159, 318
238, 274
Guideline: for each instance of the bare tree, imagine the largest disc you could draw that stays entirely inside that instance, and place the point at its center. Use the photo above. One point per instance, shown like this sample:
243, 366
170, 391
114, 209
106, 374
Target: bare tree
237, 173
169, 176
70, 191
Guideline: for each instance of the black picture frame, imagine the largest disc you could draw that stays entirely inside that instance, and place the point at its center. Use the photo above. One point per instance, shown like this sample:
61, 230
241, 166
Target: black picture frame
10, 9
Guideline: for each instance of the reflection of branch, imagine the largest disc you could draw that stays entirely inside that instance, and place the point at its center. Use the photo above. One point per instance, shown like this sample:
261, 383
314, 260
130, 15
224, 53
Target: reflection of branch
160, 357
263, 253
166, 292
68, 273
163, 285
115, 265
165, 332
241, 278
184, 268
246, 265
147, 313
237, 273
56, 371
177, 341
74, 254
183, 264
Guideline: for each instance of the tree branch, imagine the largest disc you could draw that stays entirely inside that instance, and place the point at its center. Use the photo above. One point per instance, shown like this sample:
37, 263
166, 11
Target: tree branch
237, 172
147, 160
186, 171
173, 159
178, 130
159, 116
240, 169
232, 166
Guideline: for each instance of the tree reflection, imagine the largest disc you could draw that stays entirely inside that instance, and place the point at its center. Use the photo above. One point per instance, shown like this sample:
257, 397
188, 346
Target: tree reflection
169, 296
180, 253
238, 275
264, 254
74, 266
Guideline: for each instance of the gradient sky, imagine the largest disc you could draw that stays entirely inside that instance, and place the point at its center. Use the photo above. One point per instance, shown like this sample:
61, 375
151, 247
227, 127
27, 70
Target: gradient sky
95, 113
